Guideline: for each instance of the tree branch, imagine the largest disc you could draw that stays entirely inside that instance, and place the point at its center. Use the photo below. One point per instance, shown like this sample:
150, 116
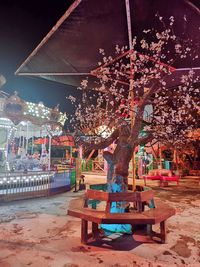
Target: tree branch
133, 140
103, 144
145, 139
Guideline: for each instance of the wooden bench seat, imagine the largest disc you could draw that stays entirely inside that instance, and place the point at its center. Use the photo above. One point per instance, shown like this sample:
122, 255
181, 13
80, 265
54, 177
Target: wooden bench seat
162, 175
79, 208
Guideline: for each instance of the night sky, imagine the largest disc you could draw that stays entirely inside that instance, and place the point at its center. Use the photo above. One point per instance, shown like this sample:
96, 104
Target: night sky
23, 24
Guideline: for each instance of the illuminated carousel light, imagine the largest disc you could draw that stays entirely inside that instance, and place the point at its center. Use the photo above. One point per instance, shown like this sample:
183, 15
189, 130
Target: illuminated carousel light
37, 110
5, 119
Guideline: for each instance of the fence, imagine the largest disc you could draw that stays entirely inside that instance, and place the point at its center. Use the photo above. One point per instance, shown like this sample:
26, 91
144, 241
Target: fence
62, 181
14, 186
86, 166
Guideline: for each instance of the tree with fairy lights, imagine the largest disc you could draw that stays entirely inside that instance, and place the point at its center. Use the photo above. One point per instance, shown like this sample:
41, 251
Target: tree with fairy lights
115, 109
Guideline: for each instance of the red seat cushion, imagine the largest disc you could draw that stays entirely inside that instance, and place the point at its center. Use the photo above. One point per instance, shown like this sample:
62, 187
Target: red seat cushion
170, 178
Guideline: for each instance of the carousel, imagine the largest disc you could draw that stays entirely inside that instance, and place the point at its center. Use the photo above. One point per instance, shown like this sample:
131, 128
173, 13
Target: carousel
22, 165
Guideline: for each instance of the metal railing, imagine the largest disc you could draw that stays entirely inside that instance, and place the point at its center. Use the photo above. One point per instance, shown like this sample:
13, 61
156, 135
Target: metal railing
63, 181
21, 185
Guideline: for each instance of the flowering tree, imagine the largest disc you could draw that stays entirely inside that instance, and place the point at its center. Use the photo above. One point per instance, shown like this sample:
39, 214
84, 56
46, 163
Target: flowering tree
125, 84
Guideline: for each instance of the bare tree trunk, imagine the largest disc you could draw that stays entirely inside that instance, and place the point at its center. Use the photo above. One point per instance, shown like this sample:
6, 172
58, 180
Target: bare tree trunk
118, 168
110, 172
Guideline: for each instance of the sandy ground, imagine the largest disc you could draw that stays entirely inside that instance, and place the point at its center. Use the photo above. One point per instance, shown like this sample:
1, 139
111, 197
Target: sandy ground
38, 233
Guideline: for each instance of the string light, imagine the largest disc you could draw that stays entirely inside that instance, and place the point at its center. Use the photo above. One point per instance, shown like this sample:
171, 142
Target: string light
12, 179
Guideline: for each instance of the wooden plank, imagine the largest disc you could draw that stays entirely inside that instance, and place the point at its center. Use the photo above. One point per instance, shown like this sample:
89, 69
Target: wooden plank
126, 196
112, 197
101, 217
144, 195
160, 213
95, 216
123, 196
120, 219
97, 195
152, 216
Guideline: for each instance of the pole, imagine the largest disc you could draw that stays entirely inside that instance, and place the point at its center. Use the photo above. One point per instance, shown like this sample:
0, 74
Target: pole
20, 137
23, 141
90, 155
177, 161
27, 138
49, 162
78, 172
6, 151
32, 145
155, 156
160, 156
131, 84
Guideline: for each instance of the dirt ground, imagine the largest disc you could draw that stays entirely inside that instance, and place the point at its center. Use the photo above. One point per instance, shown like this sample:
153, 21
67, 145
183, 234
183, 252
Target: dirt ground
38, 233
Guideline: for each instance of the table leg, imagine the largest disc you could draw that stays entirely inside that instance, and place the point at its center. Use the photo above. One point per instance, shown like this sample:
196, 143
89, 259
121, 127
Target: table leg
84, 231
95, 230
163, 232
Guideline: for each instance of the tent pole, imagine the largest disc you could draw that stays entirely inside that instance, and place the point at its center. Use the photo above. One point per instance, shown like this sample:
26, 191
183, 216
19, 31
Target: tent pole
23, 142
52, 31
49, 163
154, 154
27, 137
128, 17
32, 144
7, 150
160, 155
131, 85
20, 136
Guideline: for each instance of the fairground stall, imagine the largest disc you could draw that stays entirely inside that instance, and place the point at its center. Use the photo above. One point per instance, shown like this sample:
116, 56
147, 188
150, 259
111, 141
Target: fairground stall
25, 169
